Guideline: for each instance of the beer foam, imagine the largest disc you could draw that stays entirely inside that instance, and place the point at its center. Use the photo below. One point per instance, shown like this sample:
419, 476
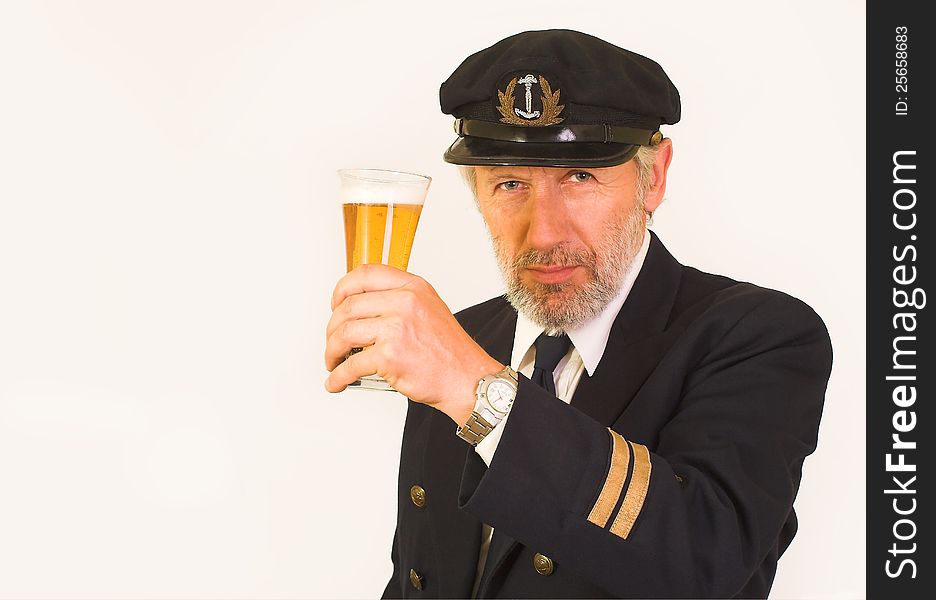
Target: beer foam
371, 186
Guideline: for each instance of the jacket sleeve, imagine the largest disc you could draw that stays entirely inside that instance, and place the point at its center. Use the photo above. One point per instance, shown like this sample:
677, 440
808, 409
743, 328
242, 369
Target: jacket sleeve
696, 514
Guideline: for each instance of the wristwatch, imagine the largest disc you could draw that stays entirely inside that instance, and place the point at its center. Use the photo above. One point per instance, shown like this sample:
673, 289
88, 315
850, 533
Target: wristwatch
495, 394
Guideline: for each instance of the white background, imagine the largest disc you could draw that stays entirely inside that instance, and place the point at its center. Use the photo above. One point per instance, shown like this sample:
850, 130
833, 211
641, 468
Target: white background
169, 239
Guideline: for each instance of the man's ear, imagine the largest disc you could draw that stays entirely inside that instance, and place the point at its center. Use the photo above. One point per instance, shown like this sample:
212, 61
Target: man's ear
654, 196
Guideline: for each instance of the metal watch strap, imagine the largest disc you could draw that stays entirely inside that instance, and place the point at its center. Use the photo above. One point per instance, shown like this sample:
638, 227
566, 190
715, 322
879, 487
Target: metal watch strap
474, 430
477, 427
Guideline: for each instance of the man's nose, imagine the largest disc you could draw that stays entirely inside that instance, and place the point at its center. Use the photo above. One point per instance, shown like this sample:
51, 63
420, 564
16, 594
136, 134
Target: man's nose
548, 219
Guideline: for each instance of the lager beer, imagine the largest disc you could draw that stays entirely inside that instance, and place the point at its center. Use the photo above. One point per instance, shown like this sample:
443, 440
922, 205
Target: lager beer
381, 210
367, 229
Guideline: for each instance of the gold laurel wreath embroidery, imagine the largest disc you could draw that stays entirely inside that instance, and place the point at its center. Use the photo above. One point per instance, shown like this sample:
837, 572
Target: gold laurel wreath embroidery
549, 114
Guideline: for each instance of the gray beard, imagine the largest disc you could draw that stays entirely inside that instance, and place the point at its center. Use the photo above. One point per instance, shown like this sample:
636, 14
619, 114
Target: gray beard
559, 307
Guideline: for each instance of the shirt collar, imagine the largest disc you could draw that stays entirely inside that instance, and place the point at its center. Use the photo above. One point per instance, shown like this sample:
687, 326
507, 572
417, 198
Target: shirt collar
591, 337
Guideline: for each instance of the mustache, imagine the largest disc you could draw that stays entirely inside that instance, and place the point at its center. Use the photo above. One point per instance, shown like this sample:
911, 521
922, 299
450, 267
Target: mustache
557, 256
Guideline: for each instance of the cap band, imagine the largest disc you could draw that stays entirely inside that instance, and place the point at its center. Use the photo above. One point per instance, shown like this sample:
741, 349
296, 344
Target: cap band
561, 133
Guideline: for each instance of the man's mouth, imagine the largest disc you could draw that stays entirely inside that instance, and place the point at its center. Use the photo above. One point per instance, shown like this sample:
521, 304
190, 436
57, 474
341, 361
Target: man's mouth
551, 274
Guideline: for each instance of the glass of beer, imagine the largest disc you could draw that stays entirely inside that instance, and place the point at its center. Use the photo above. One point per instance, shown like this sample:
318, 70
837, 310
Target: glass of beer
381, 210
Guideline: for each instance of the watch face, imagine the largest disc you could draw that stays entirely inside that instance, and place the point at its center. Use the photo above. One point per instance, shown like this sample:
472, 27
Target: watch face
500, 395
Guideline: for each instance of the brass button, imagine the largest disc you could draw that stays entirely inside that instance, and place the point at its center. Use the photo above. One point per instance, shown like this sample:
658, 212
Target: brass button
543, 564
656, 138
418, 496
416, 579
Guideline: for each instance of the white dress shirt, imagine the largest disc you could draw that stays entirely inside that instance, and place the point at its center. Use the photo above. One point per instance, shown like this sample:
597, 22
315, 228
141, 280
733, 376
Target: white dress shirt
588, 345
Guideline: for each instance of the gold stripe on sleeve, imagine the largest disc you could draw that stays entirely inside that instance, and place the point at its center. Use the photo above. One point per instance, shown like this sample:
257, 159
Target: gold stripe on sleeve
614, 482
636, 492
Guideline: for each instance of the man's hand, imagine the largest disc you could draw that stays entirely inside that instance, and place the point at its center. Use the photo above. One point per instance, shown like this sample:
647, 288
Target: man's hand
410, 338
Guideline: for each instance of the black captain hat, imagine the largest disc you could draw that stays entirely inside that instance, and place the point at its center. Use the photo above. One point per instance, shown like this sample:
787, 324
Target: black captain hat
556, 98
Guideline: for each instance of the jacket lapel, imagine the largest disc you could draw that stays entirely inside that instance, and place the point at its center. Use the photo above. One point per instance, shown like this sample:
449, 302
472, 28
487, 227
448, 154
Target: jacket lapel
635, 344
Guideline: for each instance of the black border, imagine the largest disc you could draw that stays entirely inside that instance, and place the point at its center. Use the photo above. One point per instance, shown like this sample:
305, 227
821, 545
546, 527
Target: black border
894, 256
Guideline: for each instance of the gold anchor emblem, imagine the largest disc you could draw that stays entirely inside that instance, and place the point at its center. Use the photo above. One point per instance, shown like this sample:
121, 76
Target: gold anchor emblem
529, 118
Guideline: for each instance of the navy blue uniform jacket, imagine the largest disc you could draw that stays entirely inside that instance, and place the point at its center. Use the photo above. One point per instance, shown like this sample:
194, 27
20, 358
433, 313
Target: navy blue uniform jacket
672, 473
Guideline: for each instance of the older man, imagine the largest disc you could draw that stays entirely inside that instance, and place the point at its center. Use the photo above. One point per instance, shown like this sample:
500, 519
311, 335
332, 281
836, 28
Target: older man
618, 425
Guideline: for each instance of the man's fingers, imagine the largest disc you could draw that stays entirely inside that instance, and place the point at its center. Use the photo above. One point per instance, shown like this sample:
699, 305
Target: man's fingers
369, 278
358, 333
363, 306
356, 366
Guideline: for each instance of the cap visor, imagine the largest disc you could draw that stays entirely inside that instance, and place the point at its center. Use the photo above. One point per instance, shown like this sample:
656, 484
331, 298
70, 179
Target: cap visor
482, 151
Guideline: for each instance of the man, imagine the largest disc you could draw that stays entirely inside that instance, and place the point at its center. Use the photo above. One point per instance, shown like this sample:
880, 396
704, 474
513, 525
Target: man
649, 437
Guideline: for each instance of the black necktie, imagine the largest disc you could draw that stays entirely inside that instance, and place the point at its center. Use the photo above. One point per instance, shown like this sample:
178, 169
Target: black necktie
549, 351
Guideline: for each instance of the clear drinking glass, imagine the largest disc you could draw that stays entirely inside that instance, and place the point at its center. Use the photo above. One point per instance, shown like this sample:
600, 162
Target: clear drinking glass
381, 210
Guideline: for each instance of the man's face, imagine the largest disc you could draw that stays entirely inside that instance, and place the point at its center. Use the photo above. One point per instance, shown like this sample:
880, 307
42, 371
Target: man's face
563, 237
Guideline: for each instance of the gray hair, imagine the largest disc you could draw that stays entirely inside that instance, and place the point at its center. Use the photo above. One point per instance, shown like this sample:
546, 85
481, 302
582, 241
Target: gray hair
644, 159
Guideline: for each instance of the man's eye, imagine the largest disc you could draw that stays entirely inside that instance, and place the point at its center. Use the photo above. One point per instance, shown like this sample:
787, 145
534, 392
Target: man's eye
509, 185
581, 176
